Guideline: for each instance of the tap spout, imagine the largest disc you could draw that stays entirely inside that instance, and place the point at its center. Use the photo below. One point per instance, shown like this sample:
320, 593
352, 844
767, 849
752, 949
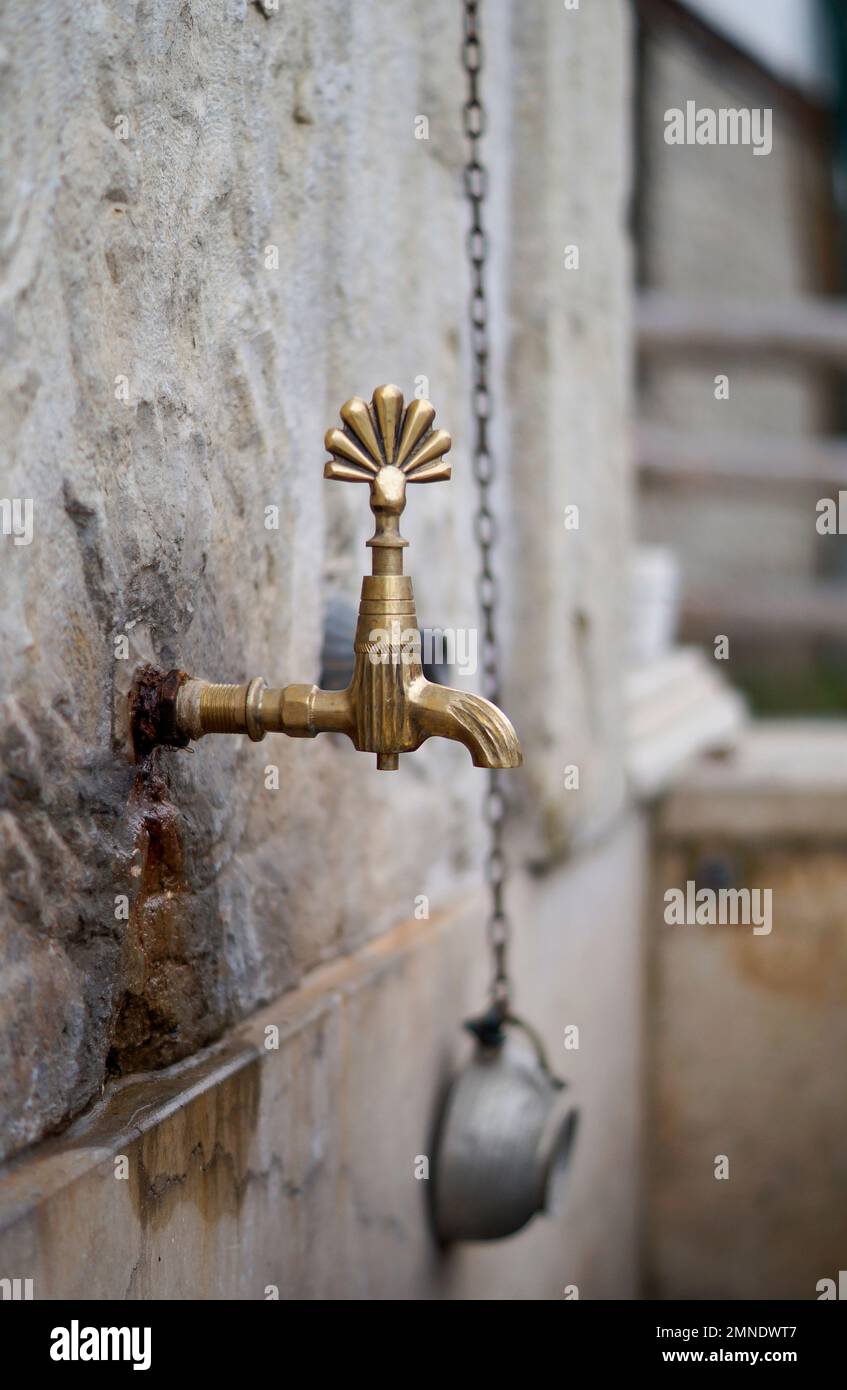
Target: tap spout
441, 712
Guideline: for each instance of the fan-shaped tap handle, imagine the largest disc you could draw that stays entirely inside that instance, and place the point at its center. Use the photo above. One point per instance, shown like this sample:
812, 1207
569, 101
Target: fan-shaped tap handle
382, 436
387, 447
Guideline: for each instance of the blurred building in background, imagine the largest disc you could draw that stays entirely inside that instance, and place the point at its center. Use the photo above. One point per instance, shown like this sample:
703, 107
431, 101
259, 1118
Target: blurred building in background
742, 345
741, 341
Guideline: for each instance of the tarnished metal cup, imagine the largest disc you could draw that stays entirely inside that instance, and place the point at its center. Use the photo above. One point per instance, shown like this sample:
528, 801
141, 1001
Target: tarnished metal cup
505, 1138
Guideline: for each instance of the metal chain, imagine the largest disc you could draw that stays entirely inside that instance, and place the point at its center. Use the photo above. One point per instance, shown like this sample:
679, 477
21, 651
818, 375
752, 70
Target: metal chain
485, 526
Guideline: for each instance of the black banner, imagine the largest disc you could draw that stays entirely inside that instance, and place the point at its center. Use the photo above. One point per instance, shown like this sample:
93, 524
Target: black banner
201, 1338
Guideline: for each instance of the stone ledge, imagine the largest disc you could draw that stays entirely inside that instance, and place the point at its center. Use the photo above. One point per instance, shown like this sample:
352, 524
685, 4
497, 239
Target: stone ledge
784, 780
677, 709
135, 1105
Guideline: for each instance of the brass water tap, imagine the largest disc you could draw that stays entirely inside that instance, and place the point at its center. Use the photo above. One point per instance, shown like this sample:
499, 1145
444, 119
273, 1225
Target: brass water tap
389, 707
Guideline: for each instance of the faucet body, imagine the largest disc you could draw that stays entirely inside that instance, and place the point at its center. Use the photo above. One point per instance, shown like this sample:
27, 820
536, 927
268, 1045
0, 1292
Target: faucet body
389, 707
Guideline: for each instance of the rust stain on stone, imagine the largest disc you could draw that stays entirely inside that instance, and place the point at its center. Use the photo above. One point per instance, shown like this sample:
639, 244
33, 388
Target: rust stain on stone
200, 1154
153, 1018
163, 1012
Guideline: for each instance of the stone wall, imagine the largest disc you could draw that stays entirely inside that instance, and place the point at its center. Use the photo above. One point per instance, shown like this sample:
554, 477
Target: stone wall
145, 263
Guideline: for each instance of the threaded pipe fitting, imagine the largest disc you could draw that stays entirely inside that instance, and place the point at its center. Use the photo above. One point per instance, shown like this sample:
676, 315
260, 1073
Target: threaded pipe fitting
223, 709
204, 707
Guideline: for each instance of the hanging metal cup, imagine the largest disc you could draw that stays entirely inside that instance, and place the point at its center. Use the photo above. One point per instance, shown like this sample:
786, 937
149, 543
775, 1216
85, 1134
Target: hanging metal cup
505, 1137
